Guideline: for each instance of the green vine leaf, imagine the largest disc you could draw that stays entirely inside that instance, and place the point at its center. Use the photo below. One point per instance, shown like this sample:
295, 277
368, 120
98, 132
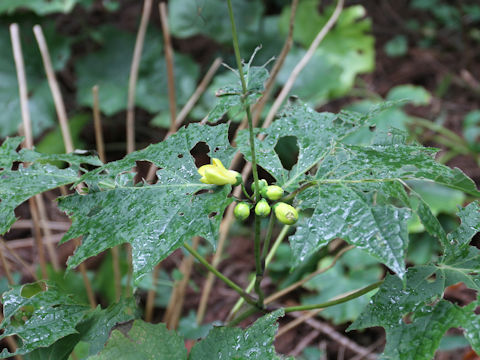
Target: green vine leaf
255, 343
143, 341
154, 219
420, 299
17, 186
39, 314
342, 175
314, 140
230, 97
93, 330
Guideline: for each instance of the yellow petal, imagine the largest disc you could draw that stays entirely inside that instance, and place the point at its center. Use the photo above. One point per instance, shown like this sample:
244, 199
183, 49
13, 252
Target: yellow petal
216, 162
216, 177
201, 169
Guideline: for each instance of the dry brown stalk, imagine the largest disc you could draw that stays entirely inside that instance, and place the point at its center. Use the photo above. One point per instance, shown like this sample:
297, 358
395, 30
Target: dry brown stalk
174, 309
132, 82
66, 135
23, 264
100, 145
303, 62
169, 61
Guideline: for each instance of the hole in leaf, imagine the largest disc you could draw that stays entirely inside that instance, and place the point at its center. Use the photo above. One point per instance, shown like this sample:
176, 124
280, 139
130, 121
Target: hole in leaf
287, 150
212, 214
180, 156
200, 153
199, 192
181, 214
30, 290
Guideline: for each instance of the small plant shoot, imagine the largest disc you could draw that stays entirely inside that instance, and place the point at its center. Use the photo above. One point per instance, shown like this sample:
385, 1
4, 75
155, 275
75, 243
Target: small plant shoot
342, 190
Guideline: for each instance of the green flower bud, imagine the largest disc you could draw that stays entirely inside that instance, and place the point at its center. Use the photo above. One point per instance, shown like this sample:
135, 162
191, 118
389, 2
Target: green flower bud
285, 213
262, 183
272, 192
262, 208
241, 211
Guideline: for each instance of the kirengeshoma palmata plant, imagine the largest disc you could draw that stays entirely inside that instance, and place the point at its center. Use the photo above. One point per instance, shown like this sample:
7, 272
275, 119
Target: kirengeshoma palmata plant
356, 192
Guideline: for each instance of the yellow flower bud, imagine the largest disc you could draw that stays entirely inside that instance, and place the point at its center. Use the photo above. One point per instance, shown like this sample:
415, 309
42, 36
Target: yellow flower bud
216, 174
285, 213
272, 192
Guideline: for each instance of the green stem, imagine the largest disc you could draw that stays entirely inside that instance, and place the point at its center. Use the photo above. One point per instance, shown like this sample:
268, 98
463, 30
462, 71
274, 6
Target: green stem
218, 274
258, 263
294, 193
268, 236
268, 260
439, 129
243, 316
327, 304
337, 301
257, 243
245, 192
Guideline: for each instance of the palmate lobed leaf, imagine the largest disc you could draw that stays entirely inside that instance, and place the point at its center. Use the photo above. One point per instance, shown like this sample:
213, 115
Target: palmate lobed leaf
148, 341
17, 186
343, 174
420, 299
50, 323
154, 219
40, 314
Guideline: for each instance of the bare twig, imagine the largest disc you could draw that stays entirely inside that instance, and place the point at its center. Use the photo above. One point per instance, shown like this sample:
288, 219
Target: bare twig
332, 333
299, 283
304, 343
19, 259
300, 319
132, 83
303, 62
52, 82
97, 121
169, 61
198, 92
27, 128
66, 135
174, 309
6, 268
12, 344
258, 107
38, 236
52, 225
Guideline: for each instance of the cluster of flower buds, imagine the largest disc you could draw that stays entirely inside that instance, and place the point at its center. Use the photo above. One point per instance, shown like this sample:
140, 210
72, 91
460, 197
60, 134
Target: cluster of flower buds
284, 212
216, 174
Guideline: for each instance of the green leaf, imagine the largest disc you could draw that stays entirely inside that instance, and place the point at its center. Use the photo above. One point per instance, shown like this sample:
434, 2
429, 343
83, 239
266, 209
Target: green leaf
471, 129
93, 330
230, 97
353, 270
109, 68
39, 314
19, 185
143, 341
417, 95
396, 46
414, 314
314, 140
210, 18
256, 342
40, 7
154, 219
347, 50
421, 338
